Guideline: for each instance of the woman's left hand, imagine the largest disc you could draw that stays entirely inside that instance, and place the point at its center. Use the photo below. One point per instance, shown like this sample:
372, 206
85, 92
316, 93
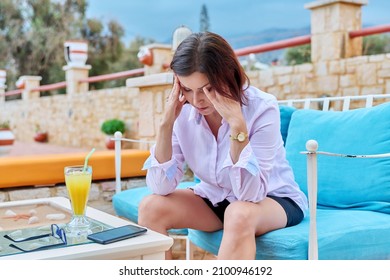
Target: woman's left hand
228, 108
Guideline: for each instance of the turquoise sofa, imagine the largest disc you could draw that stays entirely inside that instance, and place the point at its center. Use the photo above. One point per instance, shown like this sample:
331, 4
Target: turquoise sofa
353, 197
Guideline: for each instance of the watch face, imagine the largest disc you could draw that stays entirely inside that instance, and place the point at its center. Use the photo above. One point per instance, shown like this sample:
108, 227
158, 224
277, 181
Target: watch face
241, 137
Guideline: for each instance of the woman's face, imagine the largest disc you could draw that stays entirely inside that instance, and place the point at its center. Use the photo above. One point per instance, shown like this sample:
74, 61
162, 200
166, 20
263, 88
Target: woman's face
192, 89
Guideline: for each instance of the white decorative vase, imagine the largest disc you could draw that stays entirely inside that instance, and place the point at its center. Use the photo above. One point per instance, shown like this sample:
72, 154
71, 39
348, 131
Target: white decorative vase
76, 52
7, 139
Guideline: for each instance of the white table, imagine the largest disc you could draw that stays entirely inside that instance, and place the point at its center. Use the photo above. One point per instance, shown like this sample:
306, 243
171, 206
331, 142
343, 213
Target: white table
149, 246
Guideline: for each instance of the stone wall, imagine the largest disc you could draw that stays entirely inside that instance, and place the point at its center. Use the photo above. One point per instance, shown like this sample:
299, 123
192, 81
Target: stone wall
73, 120
361, 75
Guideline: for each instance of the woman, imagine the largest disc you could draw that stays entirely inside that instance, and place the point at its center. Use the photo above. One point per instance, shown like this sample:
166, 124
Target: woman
228, 133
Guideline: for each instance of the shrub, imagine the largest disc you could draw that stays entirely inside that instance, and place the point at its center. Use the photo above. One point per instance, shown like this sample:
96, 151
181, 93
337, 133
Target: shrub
4, 125
109, 127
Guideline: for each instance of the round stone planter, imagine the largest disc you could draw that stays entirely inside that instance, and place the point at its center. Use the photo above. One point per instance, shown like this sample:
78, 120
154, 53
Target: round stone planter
7, 139
110, 144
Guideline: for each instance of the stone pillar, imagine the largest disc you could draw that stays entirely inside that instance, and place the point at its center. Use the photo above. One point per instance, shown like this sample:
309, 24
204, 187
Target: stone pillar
331, 21
76, 55
155, 57
153, 90
27, 84
73, 77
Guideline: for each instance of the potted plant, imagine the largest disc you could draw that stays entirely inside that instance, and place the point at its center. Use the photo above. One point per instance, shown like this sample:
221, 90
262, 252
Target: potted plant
7, 138
109, 127
40, 136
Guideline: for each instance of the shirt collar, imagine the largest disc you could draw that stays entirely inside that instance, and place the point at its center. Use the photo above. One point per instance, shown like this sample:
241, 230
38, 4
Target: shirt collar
195, 116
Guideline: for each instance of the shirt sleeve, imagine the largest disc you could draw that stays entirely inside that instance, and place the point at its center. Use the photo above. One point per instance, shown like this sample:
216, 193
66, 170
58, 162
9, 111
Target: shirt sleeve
250, 175
163, 178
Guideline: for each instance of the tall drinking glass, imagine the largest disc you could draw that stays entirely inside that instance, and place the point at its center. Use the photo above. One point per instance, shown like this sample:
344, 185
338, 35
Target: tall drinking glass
78, 184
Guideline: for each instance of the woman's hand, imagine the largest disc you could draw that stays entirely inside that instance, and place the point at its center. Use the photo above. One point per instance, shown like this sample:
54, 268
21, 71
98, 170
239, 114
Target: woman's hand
174, 102
173, 106
228, 108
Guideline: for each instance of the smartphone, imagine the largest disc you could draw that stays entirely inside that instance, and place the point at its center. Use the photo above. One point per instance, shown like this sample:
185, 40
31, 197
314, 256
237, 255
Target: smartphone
116, 234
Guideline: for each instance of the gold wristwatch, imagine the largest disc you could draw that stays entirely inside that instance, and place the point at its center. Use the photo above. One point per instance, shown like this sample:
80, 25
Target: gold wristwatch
240, 137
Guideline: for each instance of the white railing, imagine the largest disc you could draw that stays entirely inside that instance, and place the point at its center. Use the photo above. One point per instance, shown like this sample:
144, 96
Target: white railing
324, 103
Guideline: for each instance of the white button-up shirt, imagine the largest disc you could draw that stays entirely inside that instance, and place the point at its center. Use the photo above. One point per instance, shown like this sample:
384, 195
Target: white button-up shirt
262, 167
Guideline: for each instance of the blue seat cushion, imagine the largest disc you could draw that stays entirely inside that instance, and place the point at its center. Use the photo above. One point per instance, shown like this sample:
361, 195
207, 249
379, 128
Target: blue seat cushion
126, 203
344, 182
342, 234
285, 117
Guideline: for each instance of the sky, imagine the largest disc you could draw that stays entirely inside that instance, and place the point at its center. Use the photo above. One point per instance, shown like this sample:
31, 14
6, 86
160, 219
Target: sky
157, 19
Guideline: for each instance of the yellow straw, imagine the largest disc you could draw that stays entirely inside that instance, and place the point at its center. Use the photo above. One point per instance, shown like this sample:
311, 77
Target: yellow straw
86, 159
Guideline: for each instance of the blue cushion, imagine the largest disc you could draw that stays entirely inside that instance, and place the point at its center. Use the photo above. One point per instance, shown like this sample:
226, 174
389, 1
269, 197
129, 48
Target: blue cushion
285, 117
338, 233
345, 182
126, 203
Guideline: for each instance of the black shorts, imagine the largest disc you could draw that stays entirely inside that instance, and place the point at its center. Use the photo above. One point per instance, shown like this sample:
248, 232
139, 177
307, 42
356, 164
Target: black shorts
293, 211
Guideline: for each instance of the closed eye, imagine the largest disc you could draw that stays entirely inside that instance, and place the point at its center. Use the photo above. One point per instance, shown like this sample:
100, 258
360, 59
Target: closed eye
186, 89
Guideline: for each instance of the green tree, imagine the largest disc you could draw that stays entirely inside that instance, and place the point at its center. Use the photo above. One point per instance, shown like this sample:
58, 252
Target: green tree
129, 60
32, 34
103, 48
35, 31
204, 19
376, 44
298, 55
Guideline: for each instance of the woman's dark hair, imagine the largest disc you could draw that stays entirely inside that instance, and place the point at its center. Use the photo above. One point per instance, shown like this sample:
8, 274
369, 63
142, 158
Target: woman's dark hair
210, 54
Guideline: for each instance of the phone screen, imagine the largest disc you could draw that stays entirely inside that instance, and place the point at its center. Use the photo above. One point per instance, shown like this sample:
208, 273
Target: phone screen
116, 234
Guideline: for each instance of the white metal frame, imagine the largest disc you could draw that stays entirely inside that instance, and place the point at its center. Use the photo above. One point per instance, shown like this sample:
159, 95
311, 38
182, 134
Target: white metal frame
311, 153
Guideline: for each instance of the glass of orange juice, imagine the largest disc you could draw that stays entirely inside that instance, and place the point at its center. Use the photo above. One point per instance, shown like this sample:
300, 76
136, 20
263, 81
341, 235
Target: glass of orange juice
78, 183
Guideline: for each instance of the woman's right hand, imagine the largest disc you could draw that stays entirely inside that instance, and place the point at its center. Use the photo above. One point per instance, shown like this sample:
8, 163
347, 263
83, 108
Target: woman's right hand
174, 102
173, 106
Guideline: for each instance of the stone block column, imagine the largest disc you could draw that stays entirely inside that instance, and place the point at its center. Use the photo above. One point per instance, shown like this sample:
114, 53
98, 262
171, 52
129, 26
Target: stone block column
28, 84
153, 89
73, 77
331, 21
76, 55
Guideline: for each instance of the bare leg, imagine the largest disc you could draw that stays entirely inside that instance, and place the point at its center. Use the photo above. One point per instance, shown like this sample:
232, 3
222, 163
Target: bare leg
246, 220
180, 209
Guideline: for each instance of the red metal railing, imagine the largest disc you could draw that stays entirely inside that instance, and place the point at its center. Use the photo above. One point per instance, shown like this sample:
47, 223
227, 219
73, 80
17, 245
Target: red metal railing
50, 87
370, 31
114, 76
100, 78
12, 92
281, 44
302, 40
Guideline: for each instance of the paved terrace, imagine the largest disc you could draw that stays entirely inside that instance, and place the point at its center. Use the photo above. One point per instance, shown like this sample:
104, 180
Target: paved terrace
100, 195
